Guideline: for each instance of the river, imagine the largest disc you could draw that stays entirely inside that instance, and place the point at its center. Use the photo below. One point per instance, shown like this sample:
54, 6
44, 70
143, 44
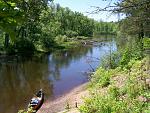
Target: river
56, 73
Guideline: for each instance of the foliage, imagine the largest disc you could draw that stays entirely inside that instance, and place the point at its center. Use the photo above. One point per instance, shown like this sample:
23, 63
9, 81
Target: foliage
61, 39
137, 13
122, 58
23, 46
10, 17
128, 49
39, 24
105, 28
128, 55
146, 42
47, 42
104, 78
62, 21
111, 61
71, 33
126, 92
19, 20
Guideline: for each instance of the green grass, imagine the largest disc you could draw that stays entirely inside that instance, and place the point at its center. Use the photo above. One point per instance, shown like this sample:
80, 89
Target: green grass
61, 45
146, 43
119, 90
70, 44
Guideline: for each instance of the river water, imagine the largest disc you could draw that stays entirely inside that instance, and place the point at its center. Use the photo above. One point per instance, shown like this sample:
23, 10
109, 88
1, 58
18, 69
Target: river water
56, 73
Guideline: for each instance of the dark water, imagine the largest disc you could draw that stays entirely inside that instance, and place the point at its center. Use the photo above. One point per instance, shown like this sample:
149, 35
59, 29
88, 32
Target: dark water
56, 73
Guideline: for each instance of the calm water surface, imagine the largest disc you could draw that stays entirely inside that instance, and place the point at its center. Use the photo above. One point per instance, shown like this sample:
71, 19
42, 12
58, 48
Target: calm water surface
55, 73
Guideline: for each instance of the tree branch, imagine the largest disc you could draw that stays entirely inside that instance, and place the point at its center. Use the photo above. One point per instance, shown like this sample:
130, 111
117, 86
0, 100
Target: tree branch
118, 7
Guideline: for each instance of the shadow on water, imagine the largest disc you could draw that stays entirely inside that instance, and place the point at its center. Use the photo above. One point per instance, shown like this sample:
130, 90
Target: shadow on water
19, 80
56, 73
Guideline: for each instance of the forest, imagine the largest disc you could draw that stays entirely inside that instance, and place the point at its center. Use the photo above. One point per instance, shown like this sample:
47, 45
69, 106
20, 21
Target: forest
42, 26
121, 83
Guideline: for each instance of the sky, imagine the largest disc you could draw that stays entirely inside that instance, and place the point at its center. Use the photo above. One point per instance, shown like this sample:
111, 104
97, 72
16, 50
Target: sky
84, 6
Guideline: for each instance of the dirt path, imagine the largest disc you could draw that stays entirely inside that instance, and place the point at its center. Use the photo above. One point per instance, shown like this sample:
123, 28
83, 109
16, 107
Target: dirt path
71, 99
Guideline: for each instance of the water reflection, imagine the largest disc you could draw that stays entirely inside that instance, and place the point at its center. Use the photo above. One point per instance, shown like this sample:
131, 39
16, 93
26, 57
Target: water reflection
18, 81
56, 73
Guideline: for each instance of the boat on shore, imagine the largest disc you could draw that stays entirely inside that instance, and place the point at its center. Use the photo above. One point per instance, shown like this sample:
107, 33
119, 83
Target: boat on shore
36, 102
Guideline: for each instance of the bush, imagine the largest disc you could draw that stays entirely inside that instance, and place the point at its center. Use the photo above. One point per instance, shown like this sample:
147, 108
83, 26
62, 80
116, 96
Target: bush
61, 38
116, 99
48, 42
23, 46
101, 78
111, 61
82, 37
70, 33
129, 54
146, 42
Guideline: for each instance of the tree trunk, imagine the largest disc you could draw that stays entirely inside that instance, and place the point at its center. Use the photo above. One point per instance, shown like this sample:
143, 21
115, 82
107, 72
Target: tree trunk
6, 44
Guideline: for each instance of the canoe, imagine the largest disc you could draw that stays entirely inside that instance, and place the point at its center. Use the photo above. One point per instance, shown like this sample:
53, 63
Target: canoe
37, 101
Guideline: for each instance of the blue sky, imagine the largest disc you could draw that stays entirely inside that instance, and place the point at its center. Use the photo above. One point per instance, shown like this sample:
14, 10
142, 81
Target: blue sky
84, 6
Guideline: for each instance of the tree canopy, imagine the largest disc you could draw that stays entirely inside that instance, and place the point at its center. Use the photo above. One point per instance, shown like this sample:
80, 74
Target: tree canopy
27, 24
137, 18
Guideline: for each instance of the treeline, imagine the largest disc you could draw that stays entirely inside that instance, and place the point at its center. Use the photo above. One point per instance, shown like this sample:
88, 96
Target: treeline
105, 28
38, 24
62, 21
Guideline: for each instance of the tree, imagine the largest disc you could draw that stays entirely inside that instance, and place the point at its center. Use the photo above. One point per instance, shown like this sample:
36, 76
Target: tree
137, 19
10, 17
20, 19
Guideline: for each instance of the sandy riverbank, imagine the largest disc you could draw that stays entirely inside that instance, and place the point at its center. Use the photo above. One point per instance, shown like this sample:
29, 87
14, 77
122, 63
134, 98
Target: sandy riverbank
72, 99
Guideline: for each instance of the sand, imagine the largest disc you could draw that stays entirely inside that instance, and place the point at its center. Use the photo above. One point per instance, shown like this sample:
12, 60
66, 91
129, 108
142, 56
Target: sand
68, 102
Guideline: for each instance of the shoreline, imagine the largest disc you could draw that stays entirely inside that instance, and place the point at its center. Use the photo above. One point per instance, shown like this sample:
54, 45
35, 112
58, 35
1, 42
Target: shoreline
67, 102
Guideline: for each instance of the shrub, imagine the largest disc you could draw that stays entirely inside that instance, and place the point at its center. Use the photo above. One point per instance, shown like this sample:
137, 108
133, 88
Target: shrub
61, 38
111, 61
146, 42
115, 99
24, 46
70, 33
47, 42
101, 77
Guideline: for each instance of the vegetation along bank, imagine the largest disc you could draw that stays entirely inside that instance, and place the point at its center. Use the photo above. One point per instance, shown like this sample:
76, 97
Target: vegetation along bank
28, 26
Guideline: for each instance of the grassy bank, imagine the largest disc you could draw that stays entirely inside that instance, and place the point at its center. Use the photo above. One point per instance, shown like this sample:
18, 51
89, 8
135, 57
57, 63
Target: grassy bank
62, 46
61, 42
66, 43
120, 90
